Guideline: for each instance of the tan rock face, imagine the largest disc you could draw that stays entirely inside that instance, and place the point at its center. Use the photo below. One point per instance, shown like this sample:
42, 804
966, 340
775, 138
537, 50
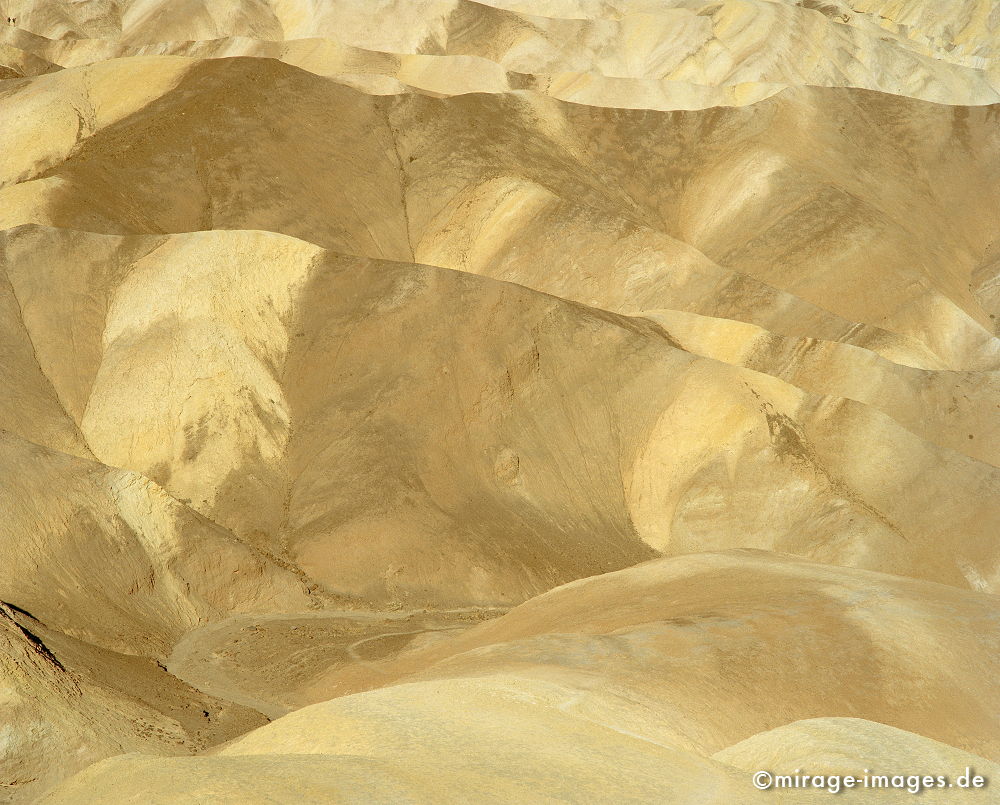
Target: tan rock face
69, 703
330, 332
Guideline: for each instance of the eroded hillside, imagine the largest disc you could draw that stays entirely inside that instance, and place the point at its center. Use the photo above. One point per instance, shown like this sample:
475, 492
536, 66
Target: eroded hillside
515, 401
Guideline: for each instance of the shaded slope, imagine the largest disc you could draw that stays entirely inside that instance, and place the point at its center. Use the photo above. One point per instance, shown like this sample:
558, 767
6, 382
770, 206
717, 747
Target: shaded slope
409, 433
107, 556
805, 209
263, 661
97, 704
31, 406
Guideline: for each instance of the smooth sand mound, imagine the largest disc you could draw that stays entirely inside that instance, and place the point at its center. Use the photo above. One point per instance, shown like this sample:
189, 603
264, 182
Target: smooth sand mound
353, 780
845, 746
706, 650
513, 743
615, 689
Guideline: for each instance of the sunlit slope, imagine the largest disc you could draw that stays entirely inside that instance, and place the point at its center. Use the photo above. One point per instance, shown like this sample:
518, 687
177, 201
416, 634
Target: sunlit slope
848, 746
621, 687
801, 192
412, 433
320, 776
956, 410
668, 650
567, 768
660, 54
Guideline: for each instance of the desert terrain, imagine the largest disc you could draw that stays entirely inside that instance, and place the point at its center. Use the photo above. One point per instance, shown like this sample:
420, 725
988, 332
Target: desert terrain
498, 401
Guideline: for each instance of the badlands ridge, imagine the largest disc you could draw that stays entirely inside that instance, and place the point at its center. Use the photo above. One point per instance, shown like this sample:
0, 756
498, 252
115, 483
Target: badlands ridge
514, 401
